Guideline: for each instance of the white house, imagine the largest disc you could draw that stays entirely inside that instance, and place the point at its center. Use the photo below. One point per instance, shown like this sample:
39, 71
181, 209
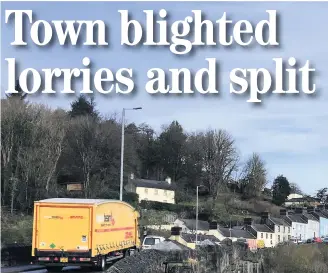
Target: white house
298, 224
313, 226
263, 234
282, 229
294, 195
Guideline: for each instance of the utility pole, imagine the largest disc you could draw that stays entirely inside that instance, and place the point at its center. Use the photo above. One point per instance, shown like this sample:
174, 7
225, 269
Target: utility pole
122, 148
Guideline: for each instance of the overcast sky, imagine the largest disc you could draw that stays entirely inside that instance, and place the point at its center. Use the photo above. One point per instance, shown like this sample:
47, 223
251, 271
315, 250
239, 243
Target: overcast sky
289, 132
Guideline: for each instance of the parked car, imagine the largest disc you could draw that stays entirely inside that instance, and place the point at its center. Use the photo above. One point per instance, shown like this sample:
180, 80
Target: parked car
325, 240
309, 241
152, 240
295, 241
317, 240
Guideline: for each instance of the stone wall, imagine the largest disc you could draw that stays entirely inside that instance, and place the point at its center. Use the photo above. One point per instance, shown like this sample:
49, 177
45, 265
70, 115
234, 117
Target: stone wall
148, 261
233, 258
211, 259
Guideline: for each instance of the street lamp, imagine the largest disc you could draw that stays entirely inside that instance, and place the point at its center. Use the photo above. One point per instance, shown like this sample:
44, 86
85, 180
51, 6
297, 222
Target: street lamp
122, 148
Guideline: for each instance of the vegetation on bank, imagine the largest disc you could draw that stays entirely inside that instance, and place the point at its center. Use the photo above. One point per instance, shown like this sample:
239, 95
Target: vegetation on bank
16, 228
308, 258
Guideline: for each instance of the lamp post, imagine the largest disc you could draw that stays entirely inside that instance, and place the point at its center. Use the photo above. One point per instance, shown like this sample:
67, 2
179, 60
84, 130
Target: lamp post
122, 148
197, 213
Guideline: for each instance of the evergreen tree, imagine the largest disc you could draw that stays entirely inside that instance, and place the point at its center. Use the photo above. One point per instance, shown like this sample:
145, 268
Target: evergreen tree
280, 190
83, 107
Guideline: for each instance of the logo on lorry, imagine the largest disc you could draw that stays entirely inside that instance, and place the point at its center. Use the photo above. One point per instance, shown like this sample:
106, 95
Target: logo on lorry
108, 218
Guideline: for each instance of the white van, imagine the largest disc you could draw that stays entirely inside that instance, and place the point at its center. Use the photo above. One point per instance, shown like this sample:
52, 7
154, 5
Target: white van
150, 241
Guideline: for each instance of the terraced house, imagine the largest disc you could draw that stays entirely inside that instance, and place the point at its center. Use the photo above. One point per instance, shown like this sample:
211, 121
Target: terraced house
264, 235
321, 214
312, 227
297, 222
282, 229
189, 226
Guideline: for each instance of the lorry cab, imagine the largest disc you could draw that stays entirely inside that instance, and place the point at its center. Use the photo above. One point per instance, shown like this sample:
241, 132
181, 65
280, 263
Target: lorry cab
150, 241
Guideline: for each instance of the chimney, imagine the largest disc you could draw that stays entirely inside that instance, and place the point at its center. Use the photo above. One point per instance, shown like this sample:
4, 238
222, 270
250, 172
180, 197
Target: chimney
310, 209
283, 212
298, 210
168, 180
132, 176
214, 230
320, 207
176, 231
213, 226
264, 217
248, 221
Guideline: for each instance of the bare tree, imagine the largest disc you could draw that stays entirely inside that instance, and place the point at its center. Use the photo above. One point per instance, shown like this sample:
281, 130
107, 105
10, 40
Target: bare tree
294, 188
220, 160
84, 141
254, 176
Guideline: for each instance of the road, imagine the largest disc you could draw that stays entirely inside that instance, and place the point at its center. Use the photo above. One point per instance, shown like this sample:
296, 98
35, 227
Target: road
35, 269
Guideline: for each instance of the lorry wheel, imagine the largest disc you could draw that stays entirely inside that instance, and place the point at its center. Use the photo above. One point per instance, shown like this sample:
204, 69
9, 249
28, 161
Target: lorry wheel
101, 264
127, 253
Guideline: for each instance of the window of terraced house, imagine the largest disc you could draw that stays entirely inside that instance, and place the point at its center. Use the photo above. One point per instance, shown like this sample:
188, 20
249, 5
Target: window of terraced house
267, 236
289, 230
278, 228
262, 235
270, 236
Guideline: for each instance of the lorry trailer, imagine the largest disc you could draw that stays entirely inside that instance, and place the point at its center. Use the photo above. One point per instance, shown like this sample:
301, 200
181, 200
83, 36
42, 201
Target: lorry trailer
83, 232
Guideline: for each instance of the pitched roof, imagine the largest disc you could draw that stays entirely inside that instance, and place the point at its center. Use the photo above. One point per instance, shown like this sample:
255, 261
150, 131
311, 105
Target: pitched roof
191, 224
310, 216
296, 218
279, 221
145, 183
261, 228
236, 233
321, 214
191, 238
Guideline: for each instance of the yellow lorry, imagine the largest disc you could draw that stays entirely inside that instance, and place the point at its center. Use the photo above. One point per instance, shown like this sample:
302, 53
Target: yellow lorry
83, 232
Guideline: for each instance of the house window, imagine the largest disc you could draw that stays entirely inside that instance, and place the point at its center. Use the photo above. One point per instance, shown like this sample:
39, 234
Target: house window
146, 191
289, 237
278, 228
270, 236
278, 238
266, 235
288, 229
156, 192
261, 235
